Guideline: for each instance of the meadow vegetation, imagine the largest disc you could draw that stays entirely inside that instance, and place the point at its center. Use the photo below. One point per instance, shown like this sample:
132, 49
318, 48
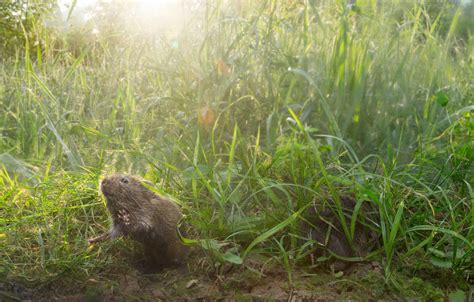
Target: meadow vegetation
246, 115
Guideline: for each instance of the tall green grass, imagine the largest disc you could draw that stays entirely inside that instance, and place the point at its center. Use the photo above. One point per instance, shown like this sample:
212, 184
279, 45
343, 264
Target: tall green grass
310, 100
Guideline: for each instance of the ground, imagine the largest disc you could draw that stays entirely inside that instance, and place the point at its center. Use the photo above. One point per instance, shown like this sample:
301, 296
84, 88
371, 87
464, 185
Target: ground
258, 279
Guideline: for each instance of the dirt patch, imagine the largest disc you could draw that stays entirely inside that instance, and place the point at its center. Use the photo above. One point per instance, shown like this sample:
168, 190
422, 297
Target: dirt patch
255, 280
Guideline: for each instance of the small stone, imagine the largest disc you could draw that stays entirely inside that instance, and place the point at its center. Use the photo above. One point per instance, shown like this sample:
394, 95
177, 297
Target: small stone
132, 284
191, 283
157, 293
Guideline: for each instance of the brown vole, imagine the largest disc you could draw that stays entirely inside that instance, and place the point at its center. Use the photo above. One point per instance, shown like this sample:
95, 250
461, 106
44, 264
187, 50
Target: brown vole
143, 216
324, 227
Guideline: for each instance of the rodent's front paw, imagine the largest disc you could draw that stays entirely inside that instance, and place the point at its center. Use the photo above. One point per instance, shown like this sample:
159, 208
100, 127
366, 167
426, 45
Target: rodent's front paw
124, 216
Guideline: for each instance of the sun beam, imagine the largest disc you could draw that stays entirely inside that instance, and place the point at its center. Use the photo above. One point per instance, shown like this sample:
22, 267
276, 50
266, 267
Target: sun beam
143, 15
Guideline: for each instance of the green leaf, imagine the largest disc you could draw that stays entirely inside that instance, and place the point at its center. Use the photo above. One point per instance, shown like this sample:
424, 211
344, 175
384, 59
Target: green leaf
210, 244
442, 98
442, 230
71, 9
395, 226
322, 259
297, 120
235, 196
437, 253
76, 63
232, 155
459, 254
324, 148
440, 262
264, 236
232, 258
457, 296
339, 274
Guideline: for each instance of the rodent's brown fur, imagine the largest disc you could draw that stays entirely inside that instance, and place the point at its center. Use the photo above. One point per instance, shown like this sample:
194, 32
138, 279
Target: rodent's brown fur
324, 227
143, 216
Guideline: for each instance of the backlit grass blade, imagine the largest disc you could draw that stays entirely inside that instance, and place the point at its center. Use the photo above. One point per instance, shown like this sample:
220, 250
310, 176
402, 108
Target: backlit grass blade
272, 231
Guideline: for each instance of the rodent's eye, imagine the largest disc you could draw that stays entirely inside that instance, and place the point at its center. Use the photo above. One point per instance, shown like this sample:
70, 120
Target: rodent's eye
124, 180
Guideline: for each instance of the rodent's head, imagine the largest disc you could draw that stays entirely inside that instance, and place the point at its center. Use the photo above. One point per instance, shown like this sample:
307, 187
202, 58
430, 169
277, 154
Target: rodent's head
122, 190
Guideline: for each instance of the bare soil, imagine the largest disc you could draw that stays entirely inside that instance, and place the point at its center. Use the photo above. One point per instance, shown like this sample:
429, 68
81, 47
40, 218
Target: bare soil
256, 280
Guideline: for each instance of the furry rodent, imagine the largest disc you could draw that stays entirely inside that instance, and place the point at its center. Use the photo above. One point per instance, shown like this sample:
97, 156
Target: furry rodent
143, 216
324, 227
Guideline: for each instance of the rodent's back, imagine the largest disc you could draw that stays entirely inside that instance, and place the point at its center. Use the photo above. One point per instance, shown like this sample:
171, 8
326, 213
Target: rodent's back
326, 229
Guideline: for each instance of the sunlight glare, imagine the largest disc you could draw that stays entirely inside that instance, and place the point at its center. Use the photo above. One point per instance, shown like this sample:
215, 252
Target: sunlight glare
148, 16
159, 15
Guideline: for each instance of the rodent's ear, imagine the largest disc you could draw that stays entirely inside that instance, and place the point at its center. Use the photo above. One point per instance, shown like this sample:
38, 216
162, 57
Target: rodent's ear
124, 180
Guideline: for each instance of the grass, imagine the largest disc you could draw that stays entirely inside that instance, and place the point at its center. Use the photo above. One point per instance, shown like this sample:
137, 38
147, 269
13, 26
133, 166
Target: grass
246, 117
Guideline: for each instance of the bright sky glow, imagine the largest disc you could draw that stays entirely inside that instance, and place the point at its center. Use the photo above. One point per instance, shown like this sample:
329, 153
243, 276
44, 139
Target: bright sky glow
144, 15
